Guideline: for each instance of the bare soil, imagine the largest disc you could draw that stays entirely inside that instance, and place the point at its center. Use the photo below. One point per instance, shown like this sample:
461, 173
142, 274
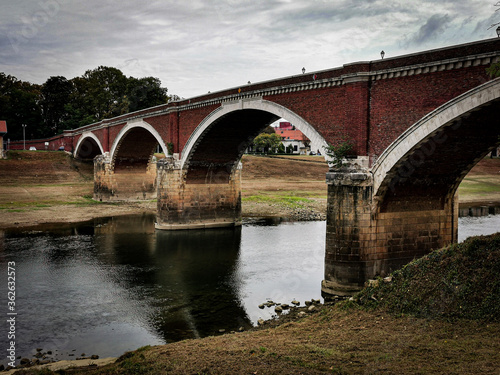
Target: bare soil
50, 187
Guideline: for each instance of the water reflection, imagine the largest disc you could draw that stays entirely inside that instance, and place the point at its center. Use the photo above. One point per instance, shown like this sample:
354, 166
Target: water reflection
114, 285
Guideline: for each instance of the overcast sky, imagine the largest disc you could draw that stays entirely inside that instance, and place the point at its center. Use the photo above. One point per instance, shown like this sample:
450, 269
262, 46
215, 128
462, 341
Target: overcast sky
196, 46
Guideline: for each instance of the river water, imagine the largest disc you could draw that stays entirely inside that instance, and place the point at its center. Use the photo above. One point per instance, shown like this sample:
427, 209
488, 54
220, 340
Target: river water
116, 284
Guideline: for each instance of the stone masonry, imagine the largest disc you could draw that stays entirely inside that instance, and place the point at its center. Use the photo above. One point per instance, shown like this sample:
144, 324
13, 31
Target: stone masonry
183, 205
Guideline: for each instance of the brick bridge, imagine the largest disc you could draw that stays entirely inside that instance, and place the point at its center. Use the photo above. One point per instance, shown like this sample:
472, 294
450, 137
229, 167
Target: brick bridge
418, 122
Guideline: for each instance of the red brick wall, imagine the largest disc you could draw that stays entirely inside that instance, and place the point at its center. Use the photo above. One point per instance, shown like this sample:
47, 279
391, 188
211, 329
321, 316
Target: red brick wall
397, 103
189, 120
324, 109
54, 144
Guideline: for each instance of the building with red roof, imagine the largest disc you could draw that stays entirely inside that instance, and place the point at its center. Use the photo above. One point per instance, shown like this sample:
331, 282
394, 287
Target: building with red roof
294, 140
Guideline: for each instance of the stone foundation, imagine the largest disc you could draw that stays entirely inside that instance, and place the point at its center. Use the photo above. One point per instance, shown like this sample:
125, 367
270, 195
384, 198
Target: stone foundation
362, 242
183, 205
128, 184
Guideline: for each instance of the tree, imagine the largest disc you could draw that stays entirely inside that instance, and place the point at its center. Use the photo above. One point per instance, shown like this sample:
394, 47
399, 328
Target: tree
145, 92
267, 142
339, 152
104, 92
18, 106
61, 104
55, 95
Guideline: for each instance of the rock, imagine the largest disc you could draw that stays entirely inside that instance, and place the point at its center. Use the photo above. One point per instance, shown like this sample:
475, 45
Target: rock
39, 349
351, 299
311, 308
38, 355
388, 279
262, 305
45, 362
295, 302
82, 355
278, 309
373, 283
316, 301
260, 322
285, 306
94, 356
25, 361
222, 330
308, 303
241, 329
301, 314
49, 352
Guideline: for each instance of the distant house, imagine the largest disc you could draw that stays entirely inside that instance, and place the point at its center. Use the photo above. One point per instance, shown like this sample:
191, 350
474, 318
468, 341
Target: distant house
294, 140
3, 131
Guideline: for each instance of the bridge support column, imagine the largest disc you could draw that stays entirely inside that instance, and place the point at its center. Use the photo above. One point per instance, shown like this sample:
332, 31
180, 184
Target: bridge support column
348, 231
363, 241
104, 183
183, 205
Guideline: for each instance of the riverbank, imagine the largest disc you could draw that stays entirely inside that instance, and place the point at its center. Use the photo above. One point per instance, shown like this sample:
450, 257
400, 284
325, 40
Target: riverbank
39, 187
432, 317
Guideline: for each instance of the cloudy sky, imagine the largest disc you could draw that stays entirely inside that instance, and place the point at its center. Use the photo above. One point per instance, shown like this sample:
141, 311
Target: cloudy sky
196, 46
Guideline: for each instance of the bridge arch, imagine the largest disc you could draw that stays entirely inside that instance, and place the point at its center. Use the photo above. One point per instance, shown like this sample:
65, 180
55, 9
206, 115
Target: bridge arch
131, 161
88, 146
432, 157
137, 128
220, 140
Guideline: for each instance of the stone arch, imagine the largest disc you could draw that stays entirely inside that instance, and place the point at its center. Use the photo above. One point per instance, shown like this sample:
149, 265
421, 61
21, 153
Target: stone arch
219, 141
88, 146
431, 158
132, 164
132, 126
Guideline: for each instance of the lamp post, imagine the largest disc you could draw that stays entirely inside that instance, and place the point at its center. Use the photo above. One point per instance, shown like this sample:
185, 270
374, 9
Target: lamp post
382, 53
24, 136
498, 31
303, 70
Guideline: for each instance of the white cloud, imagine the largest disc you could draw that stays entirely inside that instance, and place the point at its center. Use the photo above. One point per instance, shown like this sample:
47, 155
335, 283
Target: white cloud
202, 45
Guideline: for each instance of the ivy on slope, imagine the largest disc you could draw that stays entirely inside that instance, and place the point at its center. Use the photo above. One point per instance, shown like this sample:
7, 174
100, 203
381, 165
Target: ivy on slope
461, 281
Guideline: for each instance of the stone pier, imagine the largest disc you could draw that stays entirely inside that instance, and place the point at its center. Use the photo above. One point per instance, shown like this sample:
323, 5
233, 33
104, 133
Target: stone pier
367, 237
210, 203
125, 182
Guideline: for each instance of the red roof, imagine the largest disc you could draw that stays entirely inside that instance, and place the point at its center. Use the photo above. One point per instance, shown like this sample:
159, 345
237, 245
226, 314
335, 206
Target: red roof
3, 127
291, 134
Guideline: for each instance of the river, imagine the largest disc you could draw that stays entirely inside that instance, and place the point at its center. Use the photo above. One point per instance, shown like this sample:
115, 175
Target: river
115, 284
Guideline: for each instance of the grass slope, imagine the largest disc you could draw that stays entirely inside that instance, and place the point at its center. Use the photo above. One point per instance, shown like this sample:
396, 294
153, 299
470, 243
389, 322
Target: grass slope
459, 281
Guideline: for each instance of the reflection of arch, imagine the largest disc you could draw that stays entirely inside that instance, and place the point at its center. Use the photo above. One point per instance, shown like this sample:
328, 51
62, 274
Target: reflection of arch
143, 129
88, 146
432, 157
262, 110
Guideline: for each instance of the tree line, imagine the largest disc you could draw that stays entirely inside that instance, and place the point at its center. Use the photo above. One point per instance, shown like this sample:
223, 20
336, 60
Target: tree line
61, 104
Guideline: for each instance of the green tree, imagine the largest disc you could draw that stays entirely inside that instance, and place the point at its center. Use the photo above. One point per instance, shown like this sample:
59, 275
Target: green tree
19, 105
145, 92
55, 95
267, 142
104, 92
339, 152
